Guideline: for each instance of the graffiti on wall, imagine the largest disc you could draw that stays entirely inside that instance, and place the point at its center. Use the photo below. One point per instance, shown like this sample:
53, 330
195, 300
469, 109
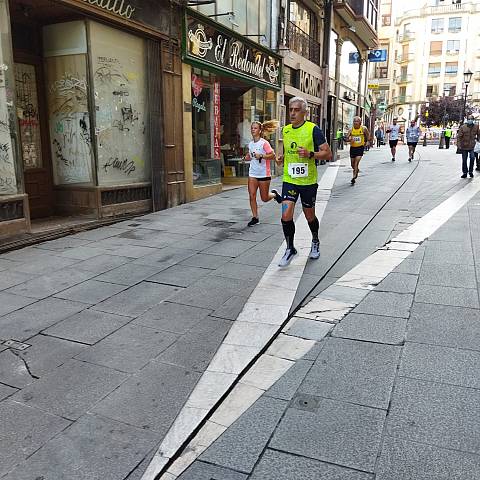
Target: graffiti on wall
8, 182
120, 104
69, 119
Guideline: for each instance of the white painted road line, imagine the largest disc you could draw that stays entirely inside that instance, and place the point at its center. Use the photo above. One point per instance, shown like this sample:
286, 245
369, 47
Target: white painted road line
268, 306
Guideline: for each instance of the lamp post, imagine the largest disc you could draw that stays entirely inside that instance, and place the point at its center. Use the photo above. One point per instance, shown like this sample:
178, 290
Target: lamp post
467, 76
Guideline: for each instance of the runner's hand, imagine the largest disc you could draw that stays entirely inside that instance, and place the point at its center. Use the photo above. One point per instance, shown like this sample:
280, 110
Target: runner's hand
279, 159
303, 152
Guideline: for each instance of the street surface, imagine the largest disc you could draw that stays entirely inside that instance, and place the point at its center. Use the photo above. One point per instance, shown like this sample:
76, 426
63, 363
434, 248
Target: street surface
120, 323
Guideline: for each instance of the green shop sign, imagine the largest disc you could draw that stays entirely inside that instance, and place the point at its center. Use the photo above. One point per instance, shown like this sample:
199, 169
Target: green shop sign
208, 44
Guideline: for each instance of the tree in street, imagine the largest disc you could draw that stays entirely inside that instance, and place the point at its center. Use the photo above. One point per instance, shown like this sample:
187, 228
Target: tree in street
443, 110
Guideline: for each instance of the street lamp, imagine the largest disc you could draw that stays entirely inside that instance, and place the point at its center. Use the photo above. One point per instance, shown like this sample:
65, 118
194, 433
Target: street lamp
467, 77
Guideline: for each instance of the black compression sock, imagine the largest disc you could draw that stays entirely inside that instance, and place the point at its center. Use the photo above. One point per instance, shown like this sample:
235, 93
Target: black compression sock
314, 226
289, 232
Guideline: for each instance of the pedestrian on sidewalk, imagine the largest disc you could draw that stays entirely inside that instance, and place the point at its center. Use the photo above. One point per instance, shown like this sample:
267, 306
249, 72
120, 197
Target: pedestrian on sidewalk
448, 137
393, 134
467, 135
303, 145
379, 136
413, 135
259, 155
359, 137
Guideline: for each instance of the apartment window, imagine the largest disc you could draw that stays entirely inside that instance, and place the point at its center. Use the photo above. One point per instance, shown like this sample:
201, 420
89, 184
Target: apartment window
451, 68
454, 24
436, 48
453, 46
434, 68
432, 91
437, 25
451, 88
303, 18
386, 20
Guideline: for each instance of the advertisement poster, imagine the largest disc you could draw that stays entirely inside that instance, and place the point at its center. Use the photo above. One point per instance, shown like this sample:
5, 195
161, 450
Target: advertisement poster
216, 120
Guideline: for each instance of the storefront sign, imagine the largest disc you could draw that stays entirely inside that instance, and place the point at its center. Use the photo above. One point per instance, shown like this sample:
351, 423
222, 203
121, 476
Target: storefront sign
210, 44
216, 121
373, 85
310, 84
118, 7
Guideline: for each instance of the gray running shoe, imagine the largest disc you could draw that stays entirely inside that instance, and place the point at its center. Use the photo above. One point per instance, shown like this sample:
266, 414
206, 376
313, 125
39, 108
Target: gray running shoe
315, 250
287, 257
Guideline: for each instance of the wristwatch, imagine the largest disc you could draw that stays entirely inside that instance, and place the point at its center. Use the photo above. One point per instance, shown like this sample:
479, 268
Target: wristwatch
312, 154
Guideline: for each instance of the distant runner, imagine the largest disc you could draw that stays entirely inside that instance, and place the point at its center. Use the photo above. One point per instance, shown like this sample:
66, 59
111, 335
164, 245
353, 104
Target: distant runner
393, 133
359, 138
413, 135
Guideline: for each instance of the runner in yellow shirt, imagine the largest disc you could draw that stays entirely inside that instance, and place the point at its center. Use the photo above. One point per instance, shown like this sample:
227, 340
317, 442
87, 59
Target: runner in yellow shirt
358, 136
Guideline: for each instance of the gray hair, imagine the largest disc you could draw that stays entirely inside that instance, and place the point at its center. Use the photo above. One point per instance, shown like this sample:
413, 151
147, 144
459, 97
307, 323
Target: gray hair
357, 118
299, 100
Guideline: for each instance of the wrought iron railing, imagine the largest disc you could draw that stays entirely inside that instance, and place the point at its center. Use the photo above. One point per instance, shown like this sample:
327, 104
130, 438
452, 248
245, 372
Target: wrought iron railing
302, 43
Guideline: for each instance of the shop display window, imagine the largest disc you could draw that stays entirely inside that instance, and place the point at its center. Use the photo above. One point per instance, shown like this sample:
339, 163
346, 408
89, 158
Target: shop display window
121, 116
8, 181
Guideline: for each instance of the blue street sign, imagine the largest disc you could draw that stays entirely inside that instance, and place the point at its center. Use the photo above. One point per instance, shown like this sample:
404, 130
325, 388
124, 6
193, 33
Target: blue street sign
353, 57
377, 56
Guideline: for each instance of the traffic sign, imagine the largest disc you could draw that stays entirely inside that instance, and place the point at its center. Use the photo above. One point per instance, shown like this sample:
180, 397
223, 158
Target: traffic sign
354, 57
377, 56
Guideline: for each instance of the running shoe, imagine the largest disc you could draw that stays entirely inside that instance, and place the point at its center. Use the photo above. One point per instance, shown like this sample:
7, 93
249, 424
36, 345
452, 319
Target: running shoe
471, 175
253, 222
287, 257
409, 159
352, 181
278, 197
393, 159
315, 250
463, 176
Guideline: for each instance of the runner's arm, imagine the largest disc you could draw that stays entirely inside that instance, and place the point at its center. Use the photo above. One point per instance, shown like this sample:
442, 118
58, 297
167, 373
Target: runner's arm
321, 148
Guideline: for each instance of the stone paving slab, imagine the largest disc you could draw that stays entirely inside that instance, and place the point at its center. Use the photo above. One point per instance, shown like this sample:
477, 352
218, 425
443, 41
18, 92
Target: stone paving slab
283, 466
436, 414
372, 328
91, 292
237, 448
205, 471
71, 389
403, 460
128, 349
336, 432
24, 430
444, 325
99, 448
157, 393
27, 322
441, 364
461, 276
179, 275
88, 326
438, 295
398, 283
353, 371
386, 303
6, 391
10, 302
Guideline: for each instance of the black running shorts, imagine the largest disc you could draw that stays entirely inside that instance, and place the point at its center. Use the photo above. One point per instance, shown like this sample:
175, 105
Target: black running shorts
307, 193
356, 151
393, 143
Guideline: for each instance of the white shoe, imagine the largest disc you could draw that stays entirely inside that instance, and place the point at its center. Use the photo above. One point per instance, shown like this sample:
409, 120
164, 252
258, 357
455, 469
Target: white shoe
287, 257
315, 250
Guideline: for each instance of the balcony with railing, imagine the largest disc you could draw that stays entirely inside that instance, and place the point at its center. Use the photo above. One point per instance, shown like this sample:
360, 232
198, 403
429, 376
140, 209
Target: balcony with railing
404, 58
404, 79
402, 99
302, 43
457, 8
406, 37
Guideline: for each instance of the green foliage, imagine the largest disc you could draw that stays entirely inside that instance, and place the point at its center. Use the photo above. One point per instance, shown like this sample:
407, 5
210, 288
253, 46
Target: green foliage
443, 111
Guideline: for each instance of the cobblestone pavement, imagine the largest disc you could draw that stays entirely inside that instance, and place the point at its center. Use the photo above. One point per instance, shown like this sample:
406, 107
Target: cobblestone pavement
121, 321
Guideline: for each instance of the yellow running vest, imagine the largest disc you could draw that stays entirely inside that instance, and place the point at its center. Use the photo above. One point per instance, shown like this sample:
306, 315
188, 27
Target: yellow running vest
358, 137
304, 170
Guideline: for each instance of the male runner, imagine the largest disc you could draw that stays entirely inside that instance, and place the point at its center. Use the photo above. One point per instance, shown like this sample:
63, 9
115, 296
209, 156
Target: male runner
303, 144
413, 136
393, 134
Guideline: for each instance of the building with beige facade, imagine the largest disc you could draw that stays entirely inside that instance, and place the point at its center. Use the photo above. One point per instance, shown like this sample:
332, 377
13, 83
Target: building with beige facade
429, 49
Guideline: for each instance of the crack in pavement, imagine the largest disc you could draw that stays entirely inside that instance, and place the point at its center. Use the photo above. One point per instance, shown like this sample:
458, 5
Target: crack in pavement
27, 367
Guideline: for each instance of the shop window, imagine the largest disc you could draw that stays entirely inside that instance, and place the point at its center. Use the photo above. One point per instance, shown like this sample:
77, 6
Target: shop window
65, 48
28, 117
118, 64
206, 168
8, 183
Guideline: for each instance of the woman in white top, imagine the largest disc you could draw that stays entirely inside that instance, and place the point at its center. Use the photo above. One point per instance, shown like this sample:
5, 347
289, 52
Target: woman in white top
259, 175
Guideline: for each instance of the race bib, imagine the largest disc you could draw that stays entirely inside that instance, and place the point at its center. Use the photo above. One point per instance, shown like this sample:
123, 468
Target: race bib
357, 139
298, 170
